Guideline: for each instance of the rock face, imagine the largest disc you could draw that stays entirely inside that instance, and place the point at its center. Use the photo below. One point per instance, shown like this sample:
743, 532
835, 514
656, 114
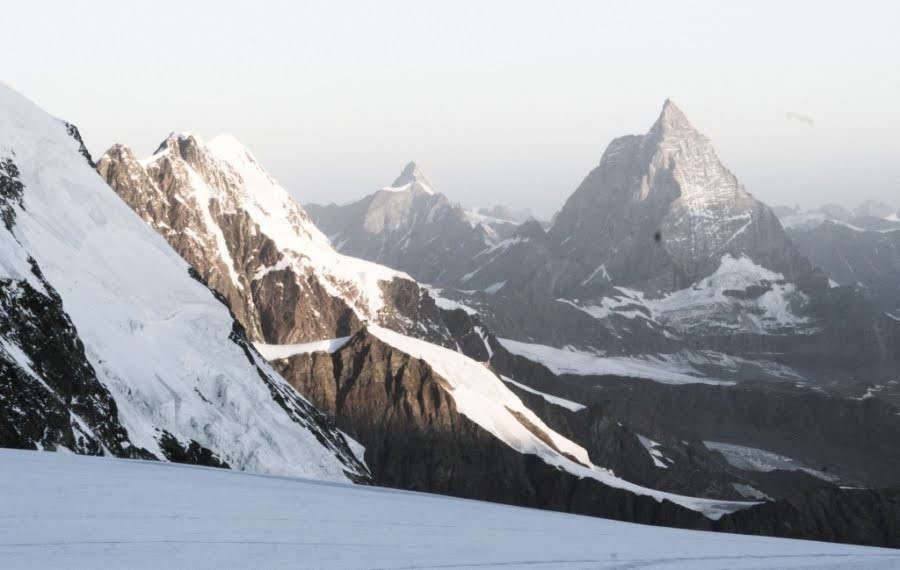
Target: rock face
109, 347
408, 226
856, 516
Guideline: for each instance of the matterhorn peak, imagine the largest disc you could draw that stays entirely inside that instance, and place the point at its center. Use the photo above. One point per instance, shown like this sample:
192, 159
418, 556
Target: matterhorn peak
671, 120
671, 111
411, 177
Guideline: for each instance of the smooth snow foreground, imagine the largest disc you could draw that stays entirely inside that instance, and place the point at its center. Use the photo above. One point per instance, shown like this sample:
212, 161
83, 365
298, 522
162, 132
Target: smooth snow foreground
61, 510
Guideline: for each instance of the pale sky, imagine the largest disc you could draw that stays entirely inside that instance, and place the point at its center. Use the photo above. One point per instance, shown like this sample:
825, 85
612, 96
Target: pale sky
499, 102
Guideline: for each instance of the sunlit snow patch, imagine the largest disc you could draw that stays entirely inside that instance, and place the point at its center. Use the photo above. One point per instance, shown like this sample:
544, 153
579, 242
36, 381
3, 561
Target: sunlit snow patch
279, 351
568, 404
655, 454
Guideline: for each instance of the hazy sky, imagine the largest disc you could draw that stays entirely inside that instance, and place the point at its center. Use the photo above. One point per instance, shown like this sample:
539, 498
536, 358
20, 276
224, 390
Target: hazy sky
510, 102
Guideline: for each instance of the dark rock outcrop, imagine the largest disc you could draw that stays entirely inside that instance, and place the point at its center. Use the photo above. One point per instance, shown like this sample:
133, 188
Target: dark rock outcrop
56, 401
191, 453
10, 191
854, 516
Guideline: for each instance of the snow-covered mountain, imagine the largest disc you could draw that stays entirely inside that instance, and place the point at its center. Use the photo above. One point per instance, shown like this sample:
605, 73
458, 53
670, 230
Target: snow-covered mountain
108, 346
408, 226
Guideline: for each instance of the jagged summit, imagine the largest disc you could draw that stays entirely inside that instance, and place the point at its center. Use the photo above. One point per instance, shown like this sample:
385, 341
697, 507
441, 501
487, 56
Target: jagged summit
175, 140
671, 112
412, 178
671, 123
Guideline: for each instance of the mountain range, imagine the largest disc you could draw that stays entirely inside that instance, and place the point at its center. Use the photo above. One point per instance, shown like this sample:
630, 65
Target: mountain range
184, 307
660, 251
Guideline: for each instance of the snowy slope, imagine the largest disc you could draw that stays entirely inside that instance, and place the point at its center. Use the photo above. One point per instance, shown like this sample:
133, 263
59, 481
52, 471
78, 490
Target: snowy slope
119, 513
159, 341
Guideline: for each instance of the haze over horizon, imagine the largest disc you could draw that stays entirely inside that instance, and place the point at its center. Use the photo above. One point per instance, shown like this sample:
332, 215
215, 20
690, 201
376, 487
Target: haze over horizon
510, 103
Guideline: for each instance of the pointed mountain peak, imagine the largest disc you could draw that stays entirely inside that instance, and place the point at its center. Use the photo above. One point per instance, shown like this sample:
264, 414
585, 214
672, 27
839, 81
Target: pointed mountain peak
411, 177
672, 129
671, 118
671, 110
